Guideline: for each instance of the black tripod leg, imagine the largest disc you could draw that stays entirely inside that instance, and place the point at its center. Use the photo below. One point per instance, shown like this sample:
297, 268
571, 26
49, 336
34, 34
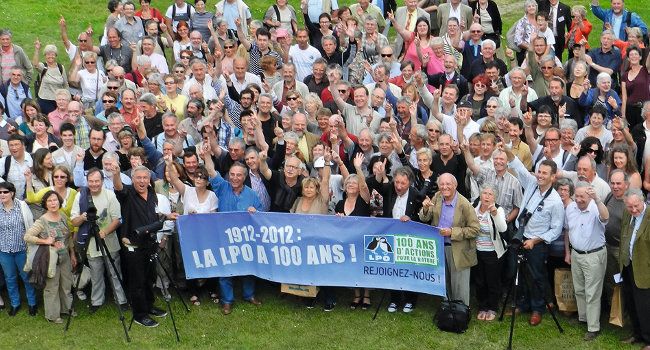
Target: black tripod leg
381, 301
71, 309
106, 259
505, 300
171, 283
166, 295
513, 305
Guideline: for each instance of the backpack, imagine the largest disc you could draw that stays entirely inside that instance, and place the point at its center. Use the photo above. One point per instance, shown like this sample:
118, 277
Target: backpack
183, 17
39, 77
628, 23
277, 14
510, 38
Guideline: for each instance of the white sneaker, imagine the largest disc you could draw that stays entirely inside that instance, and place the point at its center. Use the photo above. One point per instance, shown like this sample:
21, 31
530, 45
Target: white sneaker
81, 295
392, 307
408, 307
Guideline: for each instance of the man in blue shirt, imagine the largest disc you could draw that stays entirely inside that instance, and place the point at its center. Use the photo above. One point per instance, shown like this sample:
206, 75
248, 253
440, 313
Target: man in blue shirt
233, 196
14, 91
618, 19
546, 218
605, 59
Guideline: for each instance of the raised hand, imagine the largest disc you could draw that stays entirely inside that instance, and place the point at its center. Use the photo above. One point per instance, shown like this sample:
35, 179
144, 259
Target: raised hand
358, 159
37, 44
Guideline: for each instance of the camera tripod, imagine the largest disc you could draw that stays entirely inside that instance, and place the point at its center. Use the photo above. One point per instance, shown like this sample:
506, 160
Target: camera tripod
108, 262
527, 275
155, 259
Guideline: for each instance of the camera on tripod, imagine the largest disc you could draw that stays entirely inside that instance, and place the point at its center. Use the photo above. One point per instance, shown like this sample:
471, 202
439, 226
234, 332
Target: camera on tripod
146, 235
518, 238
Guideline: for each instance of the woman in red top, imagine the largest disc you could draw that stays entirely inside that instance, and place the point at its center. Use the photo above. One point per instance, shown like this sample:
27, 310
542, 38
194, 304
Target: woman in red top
634, 86
421, 37
147, 12
634, 38
579, 29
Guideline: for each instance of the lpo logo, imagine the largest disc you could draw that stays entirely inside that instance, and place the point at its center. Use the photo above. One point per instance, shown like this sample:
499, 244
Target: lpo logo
379, 249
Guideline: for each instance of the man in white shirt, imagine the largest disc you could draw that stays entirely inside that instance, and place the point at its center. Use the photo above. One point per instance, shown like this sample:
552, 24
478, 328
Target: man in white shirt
13, 165
240, 77
303, 55
199, 70
585, 219
67, 155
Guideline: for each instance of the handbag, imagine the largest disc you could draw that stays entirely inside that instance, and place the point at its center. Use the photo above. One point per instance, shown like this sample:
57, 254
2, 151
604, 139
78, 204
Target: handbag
452, 315
616, 312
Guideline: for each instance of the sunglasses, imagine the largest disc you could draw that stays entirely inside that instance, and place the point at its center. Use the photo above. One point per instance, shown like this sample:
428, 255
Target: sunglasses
475, 31
480, 85
292, 98
227, 47
108, 101
112, 87
185, 57
82, 40
434, 130
60, 176
4, 192
343, 91
170, 82
547, 67
179, 71
591, 150
89, 62
490, 106
386, 55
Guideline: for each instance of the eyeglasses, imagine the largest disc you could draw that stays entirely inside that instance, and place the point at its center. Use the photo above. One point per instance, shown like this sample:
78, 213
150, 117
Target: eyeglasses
490, 106
480, 85
291, 167
185, 57
547, 67
386, 55
476, 31
551, 140
108, 101
89, 62
4, 192
591, 150
60, 176
120, 77
112, 87
292, 98
170, 82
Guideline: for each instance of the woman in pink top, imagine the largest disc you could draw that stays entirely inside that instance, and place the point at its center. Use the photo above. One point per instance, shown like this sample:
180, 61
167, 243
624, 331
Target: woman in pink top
421, 37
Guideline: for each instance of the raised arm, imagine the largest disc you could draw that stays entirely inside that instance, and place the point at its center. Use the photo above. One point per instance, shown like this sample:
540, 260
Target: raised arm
37, 53
264, 168
528, 129
403, 32
325, 175
337, 98
364, 191
172, 175
242, 35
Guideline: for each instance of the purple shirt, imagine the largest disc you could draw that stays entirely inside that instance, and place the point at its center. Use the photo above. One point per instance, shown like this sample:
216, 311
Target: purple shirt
447, 215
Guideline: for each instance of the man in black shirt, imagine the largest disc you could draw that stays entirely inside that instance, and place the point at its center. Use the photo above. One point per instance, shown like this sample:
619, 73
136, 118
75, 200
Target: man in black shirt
449, 162
152, 118
139, 202
93, 155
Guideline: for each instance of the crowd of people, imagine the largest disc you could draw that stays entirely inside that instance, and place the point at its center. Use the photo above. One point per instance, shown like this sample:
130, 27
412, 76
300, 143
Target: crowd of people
203, 108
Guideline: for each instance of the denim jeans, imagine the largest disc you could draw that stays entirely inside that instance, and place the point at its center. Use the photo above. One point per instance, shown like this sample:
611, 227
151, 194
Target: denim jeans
227, 292
12, 265
533, 281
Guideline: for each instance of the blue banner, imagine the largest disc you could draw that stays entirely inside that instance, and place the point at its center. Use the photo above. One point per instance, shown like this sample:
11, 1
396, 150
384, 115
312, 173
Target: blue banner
317, 250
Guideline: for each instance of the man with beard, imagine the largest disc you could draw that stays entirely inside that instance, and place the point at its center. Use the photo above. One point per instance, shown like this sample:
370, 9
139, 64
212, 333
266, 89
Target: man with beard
93, 155
306, 140
563, 106
193, 115
289, 83
152, 118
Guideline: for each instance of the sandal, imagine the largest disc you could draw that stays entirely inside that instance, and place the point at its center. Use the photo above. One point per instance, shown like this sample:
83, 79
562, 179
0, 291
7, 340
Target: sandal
195, 300
481, 315
356, 302
490, 315
366, 303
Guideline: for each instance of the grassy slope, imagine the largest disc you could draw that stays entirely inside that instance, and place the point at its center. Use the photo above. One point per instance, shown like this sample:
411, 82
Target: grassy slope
280, 323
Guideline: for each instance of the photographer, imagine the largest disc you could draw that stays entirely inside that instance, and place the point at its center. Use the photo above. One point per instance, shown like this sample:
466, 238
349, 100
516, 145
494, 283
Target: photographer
139, 209
107, 217
539, 222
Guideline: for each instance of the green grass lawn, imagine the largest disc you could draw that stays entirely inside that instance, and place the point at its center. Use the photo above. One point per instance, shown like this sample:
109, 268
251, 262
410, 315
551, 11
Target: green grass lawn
281, 323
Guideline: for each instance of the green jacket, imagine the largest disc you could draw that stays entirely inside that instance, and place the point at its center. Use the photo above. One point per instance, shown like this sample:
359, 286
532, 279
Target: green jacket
641, 253
464, 229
